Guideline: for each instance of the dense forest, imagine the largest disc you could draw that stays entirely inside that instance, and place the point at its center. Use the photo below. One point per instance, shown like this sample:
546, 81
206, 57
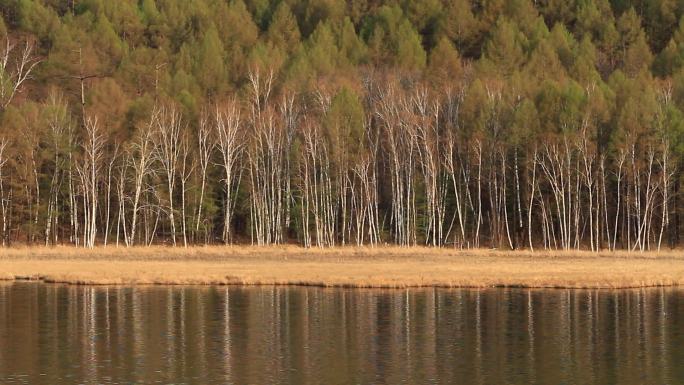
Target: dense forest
456, 123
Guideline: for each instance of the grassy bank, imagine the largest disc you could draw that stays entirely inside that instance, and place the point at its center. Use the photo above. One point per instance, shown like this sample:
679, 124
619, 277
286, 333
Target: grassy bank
343, 267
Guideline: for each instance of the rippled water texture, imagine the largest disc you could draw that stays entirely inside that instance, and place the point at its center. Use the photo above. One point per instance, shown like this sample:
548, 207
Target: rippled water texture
52, 334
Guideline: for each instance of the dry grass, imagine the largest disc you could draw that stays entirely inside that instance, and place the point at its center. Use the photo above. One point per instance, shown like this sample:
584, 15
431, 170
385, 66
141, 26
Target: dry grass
343, 267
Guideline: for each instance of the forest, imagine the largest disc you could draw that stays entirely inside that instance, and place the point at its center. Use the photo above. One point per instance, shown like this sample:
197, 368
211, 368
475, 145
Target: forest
510, 124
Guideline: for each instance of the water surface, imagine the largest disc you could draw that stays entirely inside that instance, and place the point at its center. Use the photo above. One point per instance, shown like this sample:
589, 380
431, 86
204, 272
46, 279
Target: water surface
55, 334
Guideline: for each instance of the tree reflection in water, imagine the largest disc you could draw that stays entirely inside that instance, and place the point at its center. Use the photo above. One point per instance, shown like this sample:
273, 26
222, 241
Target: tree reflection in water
292, 335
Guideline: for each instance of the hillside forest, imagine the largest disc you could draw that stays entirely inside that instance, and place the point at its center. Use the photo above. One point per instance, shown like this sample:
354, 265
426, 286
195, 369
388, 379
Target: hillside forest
537, 124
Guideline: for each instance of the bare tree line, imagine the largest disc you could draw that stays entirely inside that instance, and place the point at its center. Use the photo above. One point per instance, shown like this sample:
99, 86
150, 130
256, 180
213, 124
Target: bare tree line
276, 168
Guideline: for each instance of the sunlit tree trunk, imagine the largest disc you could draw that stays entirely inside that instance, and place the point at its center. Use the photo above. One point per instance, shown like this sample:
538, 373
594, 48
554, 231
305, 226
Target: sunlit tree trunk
619, 175
110, 169
14, 75
141, 158
93, 149
186, 171
167, 147
4, 199
227, 126
121, 198
533, 188
667, 175
205, 147
58, 125
267, 163
453, 173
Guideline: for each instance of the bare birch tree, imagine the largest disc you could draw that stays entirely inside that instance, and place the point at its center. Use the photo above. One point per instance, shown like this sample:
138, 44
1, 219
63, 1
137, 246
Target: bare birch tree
167, 150
89, 170
13, 74
205, 147
267, 163
141, 157
227, 127
5, 197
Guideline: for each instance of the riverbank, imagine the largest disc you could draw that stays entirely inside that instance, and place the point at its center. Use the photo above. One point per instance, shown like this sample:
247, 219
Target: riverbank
382, 267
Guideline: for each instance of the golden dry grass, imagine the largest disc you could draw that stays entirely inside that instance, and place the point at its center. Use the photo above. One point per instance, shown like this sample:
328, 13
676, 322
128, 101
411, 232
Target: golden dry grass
343, 267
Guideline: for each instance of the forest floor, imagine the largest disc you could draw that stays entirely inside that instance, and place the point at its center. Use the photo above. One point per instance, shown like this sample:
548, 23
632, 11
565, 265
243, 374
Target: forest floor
386, 267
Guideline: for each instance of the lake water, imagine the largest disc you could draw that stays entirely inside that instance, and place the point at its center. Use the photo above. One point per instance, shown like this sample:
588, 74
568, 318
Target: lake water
55, 334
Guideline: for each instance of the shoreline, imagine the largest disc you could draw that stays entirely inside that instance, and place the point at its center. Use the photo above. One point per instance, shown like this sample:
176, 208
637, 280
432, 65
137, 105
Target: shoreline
344, 267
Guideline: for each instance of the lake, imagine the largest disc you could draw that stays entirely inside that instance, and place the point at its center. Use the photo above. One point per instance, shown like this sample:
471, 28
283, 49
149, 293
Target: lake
57, 334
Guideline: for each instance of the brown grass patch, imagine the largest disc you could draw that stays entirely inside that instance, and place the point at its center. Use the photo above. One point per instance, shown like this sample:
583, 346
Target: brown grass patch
387, 267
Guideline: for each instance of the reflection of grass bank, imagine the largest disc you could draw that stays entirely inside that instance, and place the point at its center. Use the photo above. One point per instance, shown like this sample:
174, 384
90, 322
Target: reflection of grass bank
349, 267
